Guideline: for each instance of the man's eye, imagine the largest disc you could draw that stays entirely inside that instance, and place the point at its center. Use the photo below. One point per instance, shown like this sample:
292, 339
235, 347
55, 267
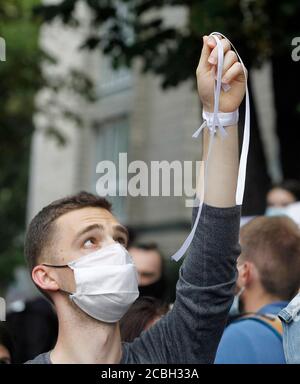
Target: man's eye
121, 240
89, 243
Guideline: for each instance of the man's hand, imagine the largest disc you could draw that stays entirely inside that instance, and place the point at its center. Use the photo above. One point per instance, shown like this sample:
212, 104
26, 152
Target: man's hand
233, 75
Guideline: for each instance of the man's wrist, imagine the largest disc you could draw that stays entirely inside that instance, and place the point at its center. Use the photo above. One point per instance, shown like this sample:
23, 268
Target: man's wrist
223, 119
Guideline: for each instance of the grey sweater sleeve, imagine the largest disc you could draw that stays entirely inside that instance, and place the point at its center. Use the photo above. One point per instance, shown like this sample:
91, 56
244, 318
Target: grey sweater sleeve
191, 331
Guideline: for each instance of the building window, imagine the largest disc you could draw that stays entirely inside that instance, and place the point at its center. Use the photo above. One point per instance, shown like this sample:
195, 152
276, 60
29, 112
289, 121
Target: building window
111, 139
113, 80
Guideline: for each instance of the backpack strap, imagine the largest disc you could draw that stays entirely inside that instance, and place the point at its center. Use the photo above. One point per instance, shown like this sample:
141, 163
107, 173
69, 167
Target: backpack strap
274, 322
271, 321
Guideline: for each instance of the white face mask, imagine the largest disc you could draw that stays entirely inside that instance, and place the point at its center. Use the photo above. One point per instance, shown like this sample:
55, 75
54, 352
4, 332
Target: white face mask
235, 307
275, 211
106, 283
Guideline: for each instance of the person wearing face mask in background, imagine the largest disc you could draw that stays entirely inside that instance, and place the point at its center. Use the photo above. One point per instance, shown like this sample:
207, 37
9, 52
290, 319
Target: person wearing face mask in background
283, 199
76, 252
281, 196
268, 277
151, 271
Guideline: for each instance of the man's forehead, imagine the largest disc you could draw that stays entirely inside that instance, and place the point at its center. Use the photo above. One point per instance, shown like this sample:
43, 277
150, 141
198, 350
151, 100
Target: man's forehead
79, 218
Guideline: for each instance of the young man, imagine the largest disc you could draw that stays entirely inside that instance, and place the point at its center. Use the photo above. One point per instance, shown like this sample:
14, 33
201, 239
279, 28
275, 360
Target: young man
87, 289
269, 276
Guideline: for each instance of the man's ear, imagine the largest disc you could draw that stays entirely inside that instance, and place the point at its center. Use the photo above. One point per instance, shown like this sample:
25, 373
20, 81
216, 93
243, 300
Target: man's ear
247, 273
41, 275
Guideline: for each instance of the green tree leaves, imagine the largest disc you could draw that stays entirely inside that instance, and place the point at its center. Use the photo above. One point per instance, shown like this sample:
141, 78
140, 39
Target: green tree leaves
20, 78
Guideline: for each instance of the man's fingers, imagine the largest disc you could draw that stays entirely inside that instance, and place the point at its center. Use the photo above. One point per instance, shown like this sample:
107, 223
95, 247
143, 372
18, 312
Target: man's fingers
209, 58
235, 72
229, 59
208, 45
213, 57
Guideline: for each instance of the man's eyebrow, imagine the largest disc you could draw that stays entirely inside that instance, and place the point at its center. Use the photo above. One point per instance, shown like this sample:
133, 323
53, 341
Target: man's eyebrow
89, 229
122, 229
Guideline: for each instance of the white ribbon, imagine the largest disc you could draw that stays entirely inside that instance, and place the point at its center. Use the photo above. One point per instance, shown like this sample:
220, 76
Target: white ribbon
224, 119
216, 121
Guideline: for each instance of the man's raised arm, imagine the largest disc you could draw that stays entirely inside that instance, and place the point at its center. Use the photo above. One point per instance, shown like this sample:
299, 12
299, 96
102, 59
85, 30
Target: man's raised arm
190, 333
222, 170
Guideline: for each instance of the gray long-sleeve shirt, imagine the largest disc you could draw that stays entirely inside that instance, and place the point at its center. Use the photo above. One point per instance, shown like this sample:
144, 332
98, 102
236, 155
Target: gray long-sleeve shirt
191, 331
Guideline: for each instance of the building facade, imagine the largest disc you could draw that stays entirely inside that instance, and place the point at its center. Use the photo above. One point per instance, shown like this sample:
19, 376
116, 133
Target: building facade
133, 116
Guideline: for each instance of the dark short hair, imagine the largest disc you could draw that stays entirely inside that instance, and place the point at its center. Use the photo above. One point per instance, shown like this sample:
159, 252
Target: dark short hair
290, 185
140, 315
272, 244
42, 228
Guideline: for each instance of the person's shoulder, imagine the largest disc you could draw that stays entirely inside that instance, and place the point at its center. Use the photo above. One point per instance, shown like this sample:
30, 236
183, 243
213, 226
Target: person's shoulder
241, 334
237, 345
238, 329
43, 358
244, 326
246, 331
248, 341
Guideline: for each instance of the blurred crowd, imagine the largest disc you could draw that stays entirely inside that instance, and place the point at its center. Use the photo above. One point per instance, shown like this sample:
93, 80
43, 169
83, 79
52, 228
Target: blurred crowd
268, 279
